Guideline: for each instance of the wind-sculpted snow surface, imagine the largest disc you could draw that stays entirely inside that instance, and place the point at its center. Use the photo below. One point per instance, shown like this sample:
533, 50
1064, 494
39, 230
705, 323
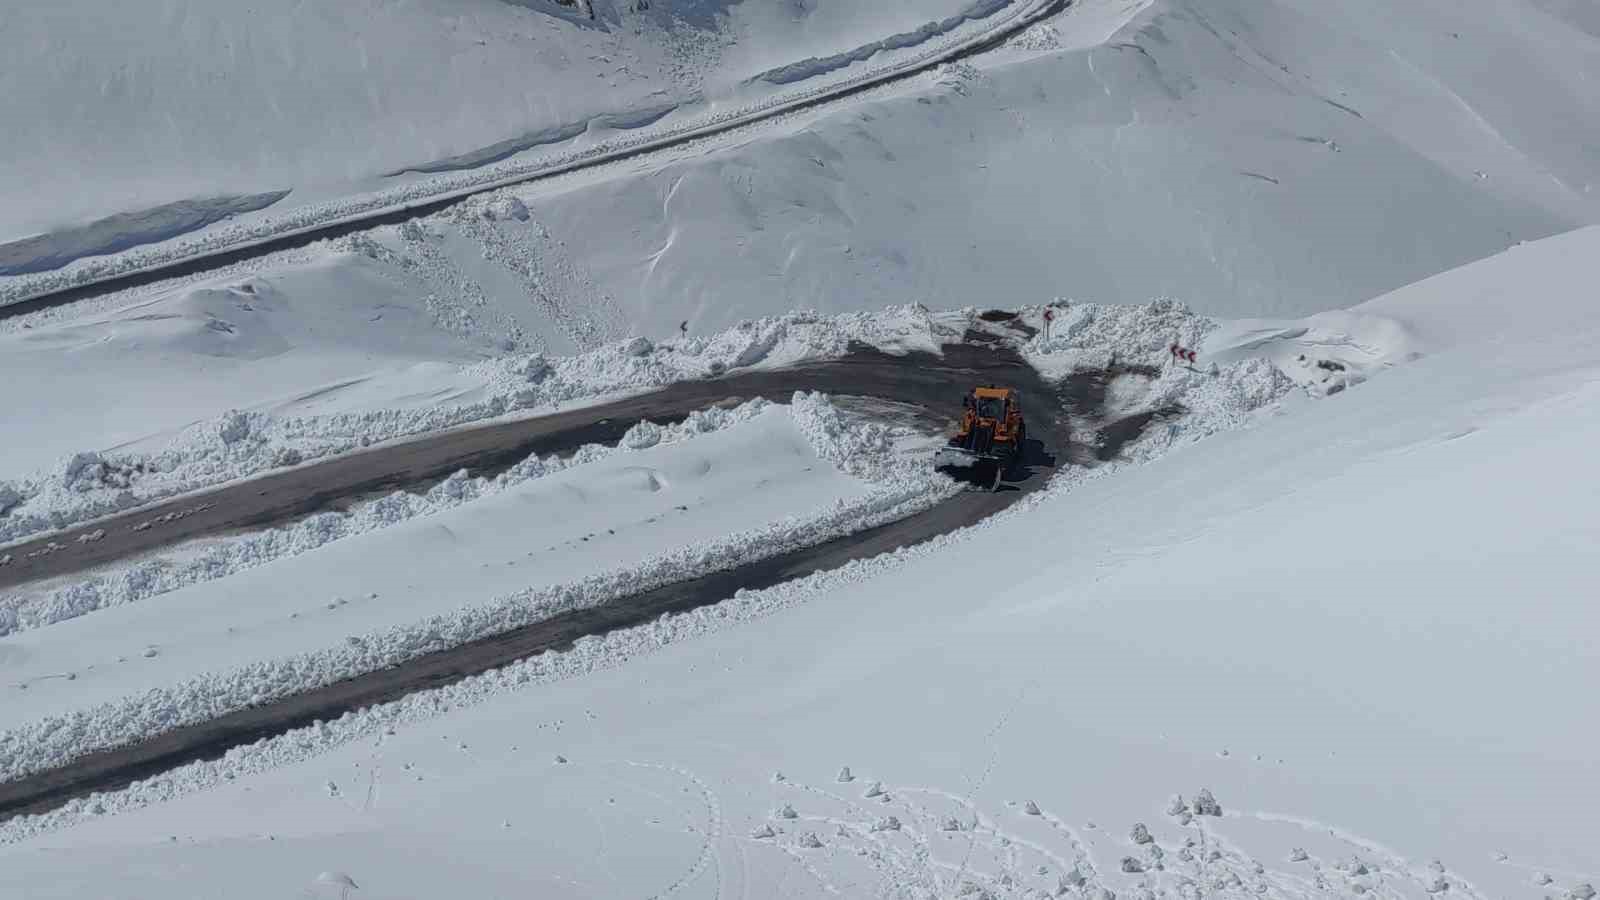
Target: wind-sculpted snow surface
125, 231
553, 135
814, 67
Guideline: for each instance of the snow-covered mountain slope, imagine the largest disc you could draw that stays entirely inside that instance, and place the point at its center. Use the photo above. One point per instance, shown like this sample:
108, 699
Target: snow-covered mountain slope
139, 104
1252, 157
1360, 626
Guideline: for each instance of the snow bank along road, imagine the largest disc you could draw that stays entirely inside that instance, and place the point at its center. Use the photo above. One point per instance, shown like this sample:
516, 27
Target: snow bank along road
933, 383
1031, 13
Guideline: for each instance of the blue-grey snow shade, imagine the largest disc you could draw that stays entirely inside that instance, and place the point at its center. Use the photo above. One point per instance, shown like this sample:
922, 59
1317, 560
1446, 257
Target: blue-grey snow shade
810, 68
555, 134
114, 234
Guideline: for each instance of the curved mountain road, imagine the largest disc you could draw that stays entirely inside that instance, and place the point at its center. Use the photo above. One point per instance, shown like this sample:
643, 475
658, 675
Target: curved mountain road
935, 384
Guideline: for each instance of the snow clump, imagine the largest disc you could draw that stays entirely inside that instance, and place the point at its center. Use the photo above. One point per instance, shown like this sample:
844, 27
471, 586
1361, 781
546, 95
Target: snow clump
1040, 38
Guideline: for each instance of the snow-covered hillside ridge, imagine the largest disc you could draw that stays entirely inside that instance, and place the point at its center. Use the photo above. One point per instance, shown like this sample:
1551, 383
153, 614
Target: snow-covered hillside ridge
88, 251
1362, 626
236, 97
240, 443
1254, 157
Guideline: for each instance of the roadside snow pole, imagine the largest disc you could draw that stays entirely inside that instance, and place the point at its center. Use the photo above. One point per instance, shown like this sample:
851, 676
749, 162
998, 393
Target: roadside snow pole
1049, 316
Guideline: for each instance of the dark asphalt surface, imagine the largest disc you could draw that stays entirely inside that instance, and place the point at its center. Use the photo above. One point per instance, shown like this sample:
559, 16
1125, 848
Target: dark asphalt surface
931, 382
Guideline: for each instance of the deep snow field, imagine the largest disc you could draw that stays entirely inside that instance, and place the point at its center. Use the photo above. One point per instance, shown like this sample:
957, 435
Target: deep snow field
232, 97
1326, 632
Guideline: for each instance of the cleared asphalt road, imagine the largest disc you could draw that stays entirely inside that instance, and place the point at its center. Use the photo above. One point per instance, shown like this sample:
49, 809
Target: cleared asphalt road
934, 383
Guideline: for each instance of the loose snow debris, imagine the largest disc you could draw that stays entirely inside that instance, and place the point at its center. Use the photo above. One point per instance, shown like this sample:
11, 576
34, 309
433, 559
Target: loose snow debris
561, 760
506, 208
1298, 854
1206, 805
1040, 38
1131, 865
762, 832
844, 775
876, 790
1031, 808
950, 824
1177, 807
151, 653
810, 841
785, 812
1584, 891
1140, 834
887, 824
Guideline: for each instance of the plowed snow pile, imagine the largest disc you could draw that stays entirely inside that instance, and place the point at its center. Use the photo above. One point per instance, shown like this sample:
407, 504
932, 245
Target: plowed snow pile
240, 442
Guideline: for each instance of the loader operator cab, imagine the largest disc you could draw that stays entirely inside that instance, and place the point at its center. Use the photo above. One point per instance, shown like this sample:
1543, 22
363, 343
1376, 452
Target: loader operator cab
991, 408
